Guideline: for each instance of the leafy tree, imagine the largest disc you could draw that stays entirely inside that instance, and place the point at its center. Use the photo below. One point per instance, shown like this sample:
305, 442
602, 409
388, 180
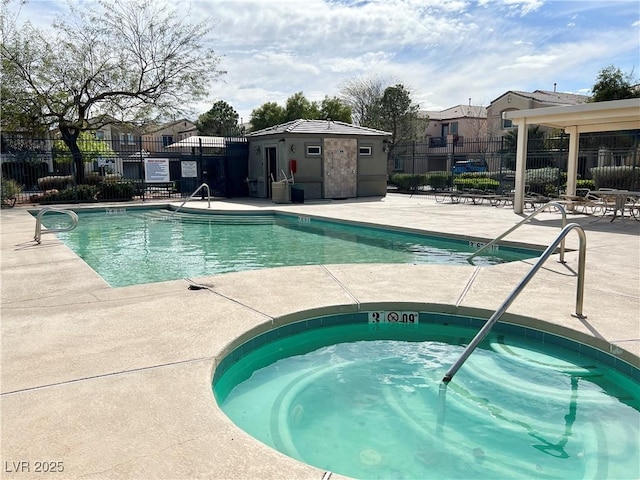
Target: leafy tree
399, 115
90, 147
298, 106
267, 115
127, 59
612, 84
335, 109
220, 120
535, 139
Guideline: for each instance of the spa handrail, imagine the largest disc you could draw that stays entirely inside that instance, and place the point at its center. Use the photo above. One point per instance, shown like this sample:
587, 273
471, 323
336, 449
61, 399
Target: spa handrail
204, 185
516, 291
540, 209
39, 232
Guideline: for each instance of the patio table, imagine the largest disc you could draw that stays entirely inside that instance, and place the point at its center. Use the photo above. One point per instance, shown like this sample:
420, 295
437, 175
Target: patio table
618, 201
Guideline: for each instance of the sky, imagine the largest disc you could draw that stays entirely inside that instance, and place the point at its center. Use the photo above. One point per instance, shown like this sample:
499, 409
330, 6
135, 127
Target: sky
446, 52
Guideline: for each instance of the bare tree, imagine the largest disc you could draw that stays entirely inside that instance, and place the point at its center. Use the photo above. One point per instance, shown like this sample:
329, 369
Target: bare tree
364, 96
128, 59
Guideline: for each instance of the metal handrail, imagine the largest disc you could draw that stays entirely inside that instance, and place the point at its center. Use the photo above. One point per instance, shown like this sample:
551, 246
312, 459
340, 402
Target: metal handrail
204, 185
559, 206
516, 291
39, 232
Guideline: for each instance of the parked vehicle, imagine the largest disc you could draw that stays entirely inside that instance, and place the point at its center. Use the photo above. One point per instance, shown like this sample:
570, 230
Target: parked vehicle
467, 166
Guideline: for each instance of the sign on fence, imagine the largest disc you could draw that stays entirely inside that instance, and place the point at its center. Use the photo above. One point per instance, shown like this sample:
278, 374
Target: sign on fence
156, 170
189, 169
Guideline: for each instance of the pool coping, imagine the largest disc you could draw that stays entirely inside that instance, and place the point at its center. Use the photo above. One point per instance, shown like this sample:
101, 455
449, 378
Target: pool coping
147, 349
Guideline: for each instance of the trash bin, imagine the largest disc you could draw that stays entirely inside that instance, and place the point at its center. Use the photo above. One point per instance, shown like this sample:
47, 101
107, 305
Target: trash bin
297, 194
281, 192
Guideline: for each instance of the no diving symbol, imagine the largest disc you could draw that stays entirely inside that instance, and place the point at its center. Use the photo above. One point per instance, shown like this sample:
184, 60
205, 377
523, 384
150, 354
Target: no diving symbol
392, 317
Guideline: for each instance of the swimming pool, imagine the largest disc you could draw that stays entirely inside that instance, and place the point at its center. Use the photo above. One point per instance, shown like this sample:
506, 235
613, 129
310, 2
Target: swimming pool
128, 246
351, 395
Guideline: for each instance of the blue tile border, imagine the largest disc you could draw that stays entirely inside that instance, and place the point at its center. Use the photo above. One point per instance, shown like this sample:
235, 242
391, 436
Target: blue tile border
292, 328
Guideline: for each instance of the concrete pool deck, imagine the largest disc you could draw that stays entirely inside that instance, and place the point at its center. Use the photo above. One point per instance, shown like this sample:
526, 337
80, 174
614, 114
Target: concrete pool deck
116, 382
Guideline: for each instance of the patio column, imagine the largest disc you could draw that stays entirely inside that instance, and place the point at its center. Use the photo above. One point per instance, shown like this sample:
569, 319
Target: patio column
521, 164
572, 159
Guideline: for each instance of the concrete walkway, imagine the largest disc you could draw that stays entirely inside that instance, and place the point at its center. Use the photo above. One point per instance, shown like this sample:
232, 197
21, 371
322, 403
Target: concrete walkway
116, 382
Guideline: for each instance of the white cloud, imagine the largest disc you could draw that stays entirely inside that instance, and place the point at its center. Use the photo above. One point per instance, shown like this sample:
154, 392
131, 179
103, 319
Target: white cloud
521, 7
445, 51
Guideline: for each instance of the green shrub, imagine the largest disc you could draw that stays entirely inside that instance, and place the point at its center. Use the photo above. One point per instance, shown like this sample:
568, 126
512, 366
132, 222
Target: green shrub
110, 190
588, 184
438, 180
80, 193
94, 178
502, 174
10, 189
545, 180
408, 182
473, 175
624, 177
478, 183
58, 182
112, 177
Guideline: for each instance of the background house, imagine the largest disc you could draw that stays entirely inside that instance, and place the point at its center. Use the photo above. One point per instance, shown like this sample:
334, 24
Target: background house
517, 100
459, 121
156, 138
122, 137
329, 159
454, 134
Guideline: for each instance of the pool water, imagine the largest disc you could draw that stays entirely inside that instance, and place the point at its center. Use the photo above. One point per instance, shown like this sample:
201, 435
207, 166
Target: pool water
135, 246
366, 401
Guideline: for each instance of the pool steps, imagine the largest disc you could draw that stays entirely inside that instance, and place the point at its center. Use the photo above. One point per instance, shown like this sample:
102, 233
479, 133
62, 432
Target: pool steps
39, 232
516, 291
205, 186
558, 206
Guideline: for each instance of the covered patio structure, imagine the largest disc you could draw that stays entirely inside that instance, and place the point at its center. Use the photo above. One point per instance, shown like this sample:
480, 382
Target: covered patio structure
610, 116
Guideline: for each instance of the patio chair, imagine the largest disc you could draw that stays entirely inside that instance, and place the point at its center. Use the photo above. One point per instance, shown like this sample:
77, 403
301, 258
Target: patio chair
583, 202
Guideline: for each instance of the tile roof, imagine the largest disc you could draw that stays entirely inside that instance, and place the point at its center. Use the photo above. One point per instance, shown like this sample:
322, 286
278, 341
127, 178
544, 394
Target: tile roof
459, 111
205, 141
554, 98
316, 127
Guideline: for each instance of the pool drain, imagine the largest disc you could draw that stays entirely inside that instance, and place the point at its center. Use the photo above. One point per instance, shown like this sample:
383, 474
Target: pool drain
369, 456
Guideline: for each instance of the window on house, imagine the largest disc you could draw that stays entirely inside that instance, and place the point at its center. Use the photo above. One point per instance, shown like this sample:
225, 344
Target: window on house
398, 164
167, 140
130, 139
507, 123
314, 150
99, 135
453, 126
121, 137
365, 151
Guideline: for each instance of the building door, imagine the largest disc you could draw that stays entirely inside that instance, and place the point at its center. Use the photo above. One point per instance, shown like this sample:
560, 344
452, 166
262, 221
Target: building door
340, 165
271, 154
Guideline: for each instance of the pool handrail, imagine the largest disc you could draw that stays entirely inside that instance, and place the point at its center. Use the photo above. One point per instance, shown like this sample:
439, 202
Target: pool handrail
39, 232
558, 205
204, 185
516, 291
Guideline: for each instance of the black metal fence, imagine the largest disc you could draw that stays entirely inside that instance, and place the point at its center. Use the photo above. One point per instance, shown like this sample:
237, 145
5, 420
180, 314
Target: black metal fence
43, 171
605, 160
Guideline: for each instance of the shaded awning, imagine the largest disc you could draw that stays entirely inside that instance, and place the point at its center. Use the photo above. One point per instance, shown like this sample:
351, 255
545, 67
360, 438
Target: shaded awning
616, 115
200, 141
